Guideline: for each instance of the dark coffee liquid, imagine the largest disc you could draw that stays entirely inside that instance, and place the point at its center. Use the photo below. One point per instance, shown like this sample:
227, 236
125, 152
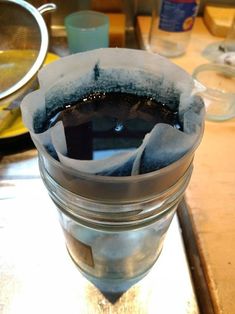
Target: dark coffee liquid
111, 121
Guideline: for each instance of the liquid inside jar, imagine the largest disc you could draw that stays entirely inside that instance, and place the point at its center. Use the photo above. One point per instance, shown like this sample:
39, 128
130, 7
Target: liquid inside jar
110, 121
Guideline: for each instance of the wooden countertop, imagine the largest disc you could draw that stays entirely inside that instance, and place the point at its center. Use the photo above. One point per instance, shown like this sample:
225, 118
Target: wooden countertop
211, 193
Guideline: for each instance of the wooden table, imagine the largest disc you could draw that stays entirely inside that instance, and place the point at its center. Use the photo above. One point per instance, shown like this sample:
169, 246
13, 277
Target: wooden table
211, 193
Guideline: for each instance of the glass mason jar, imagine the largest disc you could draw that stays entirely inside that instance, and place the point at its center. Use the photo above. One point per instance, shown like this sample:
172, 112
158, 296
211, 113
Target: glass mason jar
115, 226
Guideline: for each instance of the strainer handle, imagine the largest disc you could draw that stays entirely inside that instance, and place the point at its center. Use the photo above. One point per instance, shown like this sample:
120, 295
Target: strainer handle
48, 7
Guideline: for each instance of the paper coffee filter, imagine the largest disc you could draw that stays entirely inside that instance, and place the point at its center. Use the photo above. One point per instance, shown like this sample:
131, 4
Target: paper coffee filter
118, 70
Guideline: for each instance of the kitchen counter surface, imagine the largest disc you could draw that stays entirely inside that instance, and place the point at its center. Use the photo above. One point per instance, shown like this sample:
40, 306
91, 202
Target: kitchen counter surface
36, 275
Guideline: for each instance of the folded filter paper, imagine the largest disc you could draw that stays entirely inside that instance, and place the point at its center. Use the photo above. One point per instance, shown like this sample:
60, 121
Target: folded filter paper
116, 70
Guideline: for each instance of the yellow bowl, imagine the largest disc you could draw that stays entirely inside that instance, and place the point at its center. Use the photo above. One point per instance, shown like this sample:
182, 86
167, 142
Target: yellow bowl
17, 127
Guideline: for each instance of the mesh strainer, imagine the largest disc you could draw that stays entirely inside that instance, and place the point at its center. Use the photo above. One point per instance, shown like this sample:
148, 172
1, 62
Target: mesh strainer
23, 44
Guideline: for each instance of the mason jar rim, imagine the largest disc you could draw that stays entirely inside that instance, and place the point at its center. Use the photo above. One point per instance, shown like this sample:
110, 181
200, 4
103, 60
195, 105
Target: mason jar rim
93, 212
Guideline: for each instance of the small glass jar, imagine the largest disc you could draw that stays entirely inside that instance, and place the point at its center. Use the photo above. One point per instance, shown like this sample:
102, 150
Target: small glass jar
218, 81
